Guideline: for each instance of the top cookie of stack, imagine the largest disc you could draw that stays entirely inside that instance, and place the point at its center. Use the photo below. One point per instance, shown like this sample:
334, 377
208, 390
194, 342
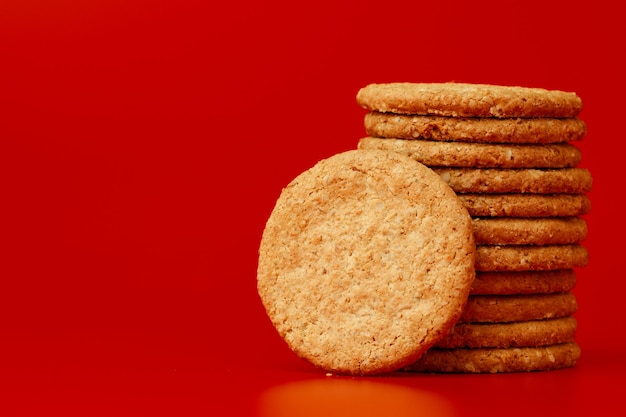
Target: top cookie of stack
469, 100
506, 152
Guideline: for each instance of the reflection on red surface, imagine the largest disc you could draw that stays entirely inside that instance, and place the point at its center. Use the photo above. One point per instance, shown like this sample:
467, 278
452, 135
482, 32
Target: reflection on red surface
343, 397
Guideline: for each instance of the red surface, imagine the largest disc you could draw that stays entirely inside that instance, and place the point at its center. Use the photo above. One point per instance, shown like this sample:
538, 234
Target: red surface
143, 145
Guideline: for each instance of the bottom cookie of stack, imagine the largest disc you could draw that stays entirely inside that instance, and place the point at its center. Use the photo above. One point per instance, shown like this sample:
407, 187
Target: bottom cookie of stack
498, 360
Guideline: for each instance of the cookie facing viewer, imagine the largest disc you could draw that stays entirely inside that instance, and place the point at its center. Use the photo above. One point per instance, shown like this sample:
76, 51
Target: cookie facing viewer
365, 262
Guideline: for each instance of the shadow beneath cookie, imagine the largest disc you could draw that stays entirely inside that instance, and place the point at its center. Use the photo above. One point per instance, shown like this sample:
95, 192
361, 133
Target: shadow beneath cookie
336, 396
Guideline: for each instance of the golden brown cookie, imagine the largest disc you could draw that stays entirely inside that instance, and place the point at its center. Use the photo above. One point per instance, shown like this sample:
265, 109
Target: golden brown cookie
468, 100
526, 205
365, 262
540, 181
494, 360
474, 129
524, 307
530, 258
523, 282
525, 231
513, 334
479, 155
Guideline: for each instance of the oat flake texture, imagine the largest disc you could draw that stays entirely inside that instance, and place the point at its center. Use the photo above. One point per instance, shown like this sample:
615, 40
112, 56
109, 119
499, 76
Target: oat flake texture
365, 262
468, 100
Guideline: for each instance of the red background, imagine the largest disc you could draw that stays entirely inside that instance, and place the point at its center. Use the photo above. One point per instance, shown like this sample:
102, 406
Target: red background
143, 145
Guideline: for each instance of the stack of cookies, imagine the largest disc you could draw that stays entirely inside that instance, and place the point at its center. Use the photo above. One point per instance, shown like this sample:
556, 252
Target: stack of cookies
507, 154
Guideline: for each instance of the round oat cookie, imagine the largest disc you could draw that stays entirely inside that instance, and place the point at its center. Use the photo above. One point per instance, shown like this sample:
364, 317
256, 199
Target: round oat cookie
523, 282
495, 360
530, 258
365, 262
474, 129
468, 100
479, 155
525, 205
523, 307
525, 231
525, 180
513, 334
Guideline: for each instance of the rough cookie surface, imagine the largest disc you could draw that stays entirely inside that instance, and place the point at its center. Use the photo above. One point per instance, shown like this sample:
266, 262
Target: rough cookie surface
523, 282
493, 360
474, 129
530, 258
365, 262
479, 155
540, 181
468, 100
510, 308
515, 334
524, 231
525, 205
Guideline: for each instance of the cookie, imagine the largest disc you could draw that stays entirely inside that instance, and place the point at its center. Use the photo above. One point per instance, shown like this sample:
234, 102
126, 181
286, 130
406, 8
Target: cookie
525, 205
523, 282
468, 100
530, 258
479, 155
524, 231
365, 262
474, 129
515, 334
494, 360
540, 181
509, 308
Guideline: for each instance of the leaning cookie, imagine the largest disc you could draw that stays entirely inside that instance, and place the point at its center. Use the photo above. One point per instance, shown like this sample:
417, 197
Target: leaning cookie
511, 308
523, 282
468, 100
494, 360
525, 205
479, 155
539, 181
474, 129
513, 334
525, 231
530, 258
365, 262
